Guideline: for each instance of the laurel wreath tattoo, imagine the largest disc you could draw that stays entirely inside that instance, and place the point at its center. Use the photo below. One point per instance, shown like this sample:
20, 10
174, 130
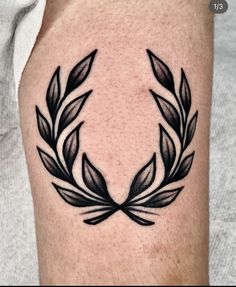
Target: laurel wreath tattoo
96, 197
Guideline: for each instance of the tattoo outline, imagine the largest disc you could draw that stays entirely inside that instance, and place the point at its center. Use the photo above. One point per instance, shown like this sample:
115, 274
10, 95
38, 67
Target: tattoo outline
96, 194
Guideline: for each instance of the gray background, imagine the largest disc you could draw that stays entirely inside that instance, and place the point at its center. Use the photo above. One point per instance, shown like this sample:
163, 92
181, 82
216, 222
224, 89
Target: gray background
18, 259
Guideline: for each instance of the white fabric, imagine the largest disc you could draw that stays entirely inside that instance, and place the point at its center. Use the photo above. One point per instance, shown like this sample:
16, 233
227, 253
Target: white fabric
25, 37
20, 21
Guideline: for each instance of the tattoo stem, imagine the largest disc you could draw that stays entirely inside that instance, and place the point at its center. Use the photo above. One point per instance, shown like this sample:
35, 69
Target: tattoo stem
181, 110
61, 102
182, 146
59, 161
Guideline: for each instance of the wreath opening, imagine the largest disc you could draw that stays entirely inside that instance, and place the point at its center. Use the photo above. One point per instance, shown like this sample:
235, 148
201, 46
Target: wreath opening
96, 197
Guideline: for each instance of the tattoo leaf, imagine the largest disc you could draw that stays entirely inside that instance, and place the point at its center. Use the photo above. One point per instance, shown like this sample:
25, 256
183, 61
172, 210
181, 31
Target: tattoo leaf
144, 178
44, 127
71, 147
71, 111
167, 148
138, 219
97, 219
168, 111
185, 93
53, 94
184, 167
161, 72
191, 129
163, 198
75, 198
80, 72
94, 179
51, 165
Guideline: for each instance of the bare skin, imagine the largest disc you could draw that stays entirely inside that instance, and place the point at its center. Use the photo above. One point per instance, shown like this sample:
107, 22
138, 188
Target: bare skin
119, 135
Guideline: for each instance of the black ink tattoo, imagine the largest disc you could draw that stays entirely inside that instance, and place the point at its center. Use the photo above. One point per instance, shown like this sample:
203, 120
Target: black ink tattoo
176, 165
96, 195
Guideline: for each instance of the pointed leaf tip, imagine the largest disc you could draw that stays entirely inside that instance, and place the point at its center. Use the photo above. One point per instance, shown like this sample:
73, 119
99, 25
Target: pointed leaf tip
93, 179
100, 218
161, 72
167, 148
169, 112
74, 198
138, 219
80, 72
54, 93
191, 129
163, 198
185, 93
44, 127
51, 165
71, 111
144, 178
71, 147
184, 167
